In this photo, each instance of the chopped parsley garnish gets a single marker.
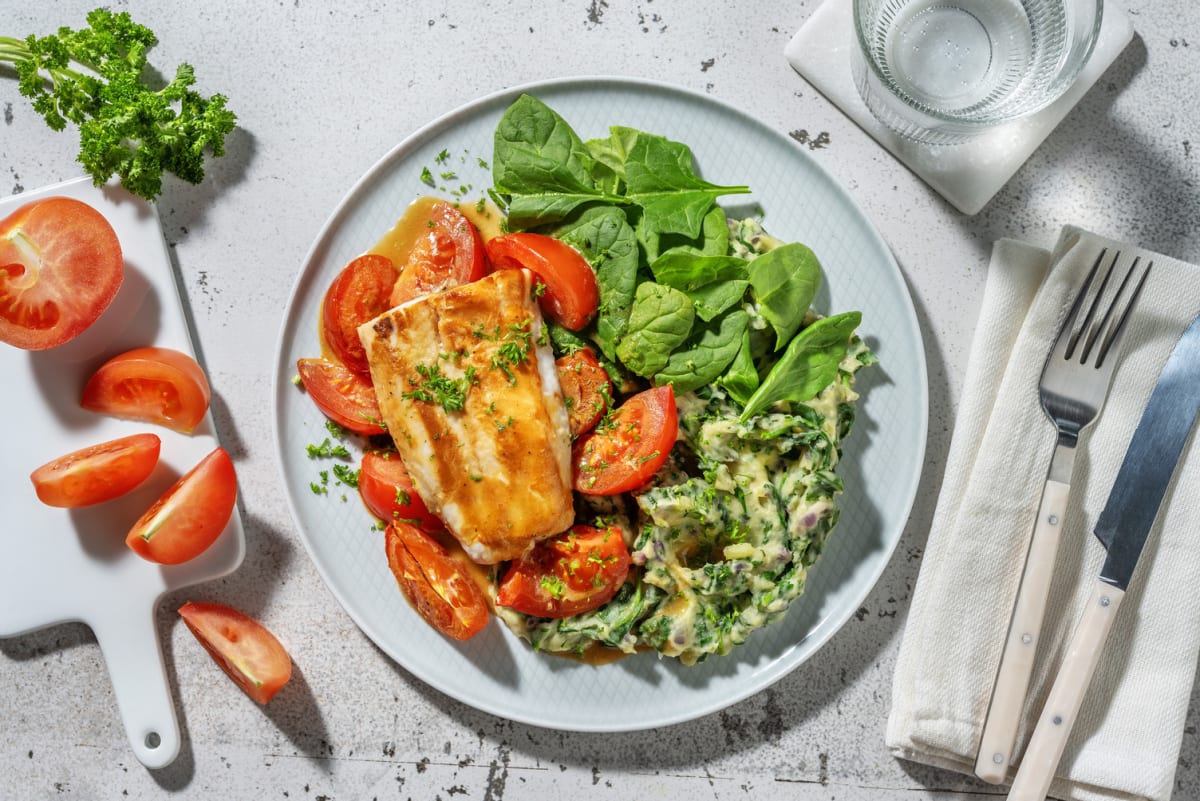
(346, 475)
(327, 450)
(434, 386)
(427, 177)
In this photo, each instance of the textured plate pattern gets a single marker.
(496, 672)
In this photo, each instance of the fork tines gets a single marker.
(1100, 332)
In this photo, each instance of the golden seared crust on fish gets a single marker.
(468, 388)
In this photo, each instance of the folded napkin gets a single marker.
(1126, 742)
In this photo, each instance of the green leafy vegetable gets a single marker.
(809, 364)
(785, 280)
(741, 379)
(660, 322)
(96, 78)
(706, 354)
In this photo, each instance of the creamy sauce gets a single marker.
(398, 243)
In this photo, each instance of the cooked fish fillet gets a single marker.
(470, 395)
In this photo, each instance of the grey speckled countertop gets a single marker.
(322, 91)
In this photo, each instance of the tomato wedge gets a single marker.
(566, 575)
(359, 293)
(586, 390)
(437, 586)
(154, 385)
(345, 397)
(572, 294)
(60, 268)
(629, 446)
(190, 515)
(243, 647)
(448, 254)
(98, 473)
(387, 490)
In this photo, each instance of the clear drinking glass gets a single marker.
(942, 71)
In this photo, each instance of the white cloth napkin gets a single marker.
(1127, 739)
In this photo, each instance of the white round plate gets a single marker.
(496, 672)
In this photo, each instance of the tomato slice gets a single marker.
(387, 490)
(438, 587)
(154, 385)
(190, 515)
(448, 254)
(243, 647)
(345, 397)
(358, 294)
(566, 575)
(586, 390)
(629, 446)
(572, 294)
(60, 268)
(98, 473)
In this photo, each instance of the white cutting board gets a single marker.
(65, 565)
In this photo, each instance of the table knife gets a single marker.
(1122, 529)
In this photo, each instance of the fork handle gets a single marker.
(1049, 740)
(1016, 663)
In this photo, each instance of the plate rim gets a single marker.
(467, 110)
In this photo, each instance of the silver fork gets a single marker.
(1072, 391)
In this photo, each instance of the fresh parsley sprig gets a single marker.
(95, 77)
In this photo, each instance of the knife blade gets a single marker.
(1123, 527)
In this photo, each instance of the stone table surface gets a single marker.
(322, 90)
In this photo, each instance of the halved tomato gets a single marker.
(98, 473)
(627, 447)
(437, 586)
(448, 254)
(345, 397)
(358, 294)
(243, 647)
(189, 517)
(60, 268)
(154, 385)
(387, 490)
(572, 294)
(586, 389)
(566, 575)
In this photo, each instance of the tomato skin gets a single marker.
(626, 451)
(60, 268)
(345, 397)
(449, 254)
(586, 390)
(153, 385)
(97, 473)
(387, 490)
(189, 516)
(245, 649)
(359, 293)
(575, 572)
(572, 295)
(439, 588)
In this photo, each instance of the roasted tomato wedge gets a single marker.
(586, 390)
(242, 646)
(98, 473)
(626, 449)
(449, 253)
(190, 515)
(438, 587)
(572, 573)
(345, 397)
(358, 294)
(155, 385)
(572, 295)
(387, 490)
(60, 268)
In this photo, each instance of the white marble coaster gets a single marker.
(969, 174)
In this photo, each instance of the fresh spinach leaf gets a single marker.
(609, 154)
(606, 240)
(713, 239)
(706, 354)
(809, 364)
(785, 280)
(714, 299)
(686, 271)
(659, 322)
(741, 379)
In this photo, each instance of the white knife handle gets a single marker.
(1016, 663)
(1066, 695)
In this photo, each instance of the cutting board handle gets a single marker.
(139, 679)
